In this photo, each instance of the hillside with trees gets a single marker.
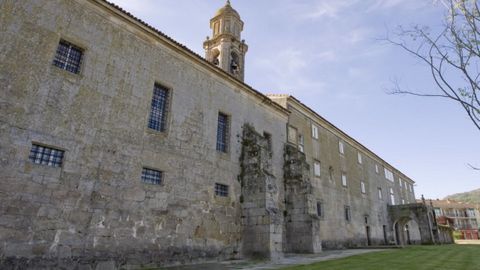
(470, 197)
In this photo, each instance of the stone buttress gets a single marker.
(261, 216)
(302, 222)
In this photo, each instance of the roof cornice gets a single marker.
(182, 49)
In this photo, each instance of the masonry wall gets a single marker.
(94, 209)
(366, 209)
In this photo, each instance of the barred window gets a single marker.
(158, 111)
(222, 133)
(153, 177)
(221, 190)
(348, 216)
(46, 156)
(68, 57)
(320, 209)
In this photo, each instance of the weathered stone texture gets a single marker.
(95, 206)
(262, 218)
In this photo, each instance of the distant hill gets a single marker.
(470, 197)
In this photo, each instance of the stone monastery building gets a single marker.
(121, 147)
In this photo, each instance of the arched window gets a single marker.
(215, 56)
(234, 64)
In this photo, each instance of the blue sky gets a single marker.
(329, 54)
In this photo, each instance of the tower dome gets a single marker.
(227, 10)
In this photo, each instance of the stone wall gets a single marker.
(262, 218)
(301, 219)
(95, 208)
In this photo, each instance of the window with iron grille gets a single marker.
(222, 133)
(46, 155)
(68, 57)
(320, 209)
(221, 190)
(348, 216)
(153, 177)
(158, 111)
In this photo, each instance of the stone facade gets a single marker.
(95, 212)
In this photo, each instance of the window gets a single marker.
(158, 111)
(389, 175)
(221, 190)
(344, 179)
(340, 147)
(376, 168)
(68, 57)
(380, 194)
(292, 135)
(268, 137)
(359, 157)
(362, 187)
(46, 156)
(222, 133)
(403, 201)
(330, 173)
(314, 131)
(438, 212)
(316, 168)
(400, 182)
(392, 197)
(320, 209)
(301, 142)
(405, 185)
(348, 216)
(153, 177)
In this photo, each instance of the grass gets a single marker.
(447, 257)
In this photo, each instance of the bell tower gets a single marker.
(226, 49)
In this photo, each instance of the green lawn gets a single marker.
(448, 257)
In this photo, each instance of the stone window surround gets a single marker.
(320, 209)
(315, 130)
(64, 64)
(347, 213)
(223, 149)
(152, 181)
(165, 115)
(56, 164)
(315, 163)
(344, 179)
(221, 190)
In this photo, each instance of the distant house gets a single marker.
(462, 217)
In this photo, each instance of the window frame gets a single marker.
(159, 125)
(344, 179)
(347, 213)
(315, 163)
(64, 64)
(221, 190)
(226, 137)
(292, 134)
(320, 210)
(55, 164)
(314, 131)
(161, 179)
(341, 147)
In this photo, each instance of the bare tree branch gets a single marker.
(452, 54)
